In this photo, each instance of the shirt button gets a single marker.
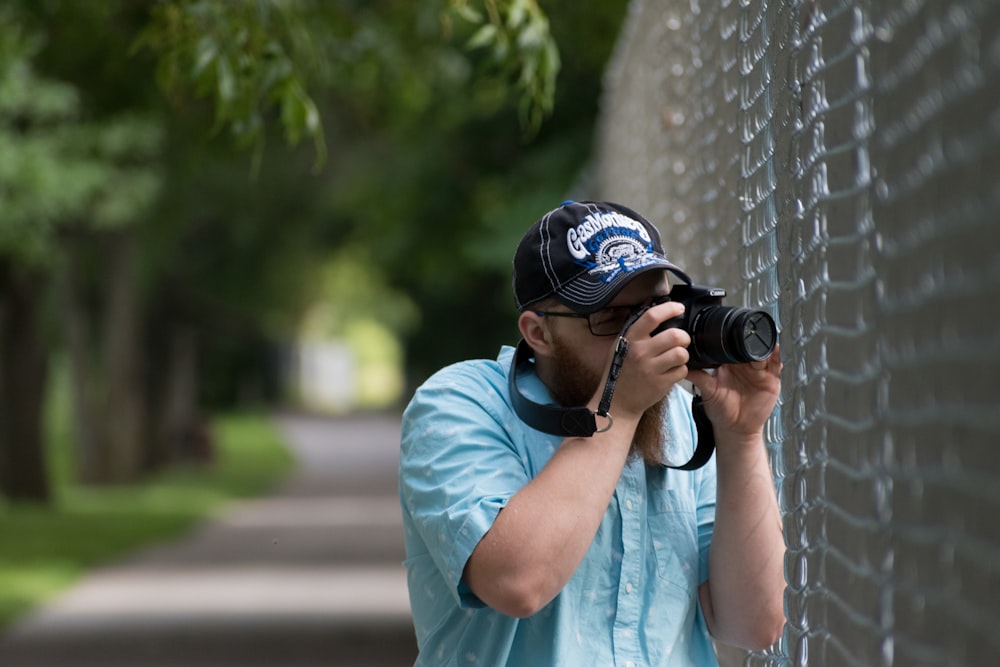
(628, 588)
(628, 504)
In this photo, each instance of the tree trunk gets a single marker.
(125, 409)
(24, 359)
(91, 462)
(182, 429)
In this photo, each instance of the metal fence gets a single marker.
(838, 163)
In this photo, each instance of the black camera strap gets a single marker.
(577, 422)
(706, 437)
(580, 421)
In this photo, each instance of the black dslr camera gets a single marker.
(720, 334)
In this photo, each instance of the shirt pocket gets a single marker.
(673, 534)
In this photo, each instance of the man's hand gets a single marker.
(739, 398)
(742, 600)
(653, 365)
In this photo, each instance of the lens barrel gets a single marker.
(725, 335)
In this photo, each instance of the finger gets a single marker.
(775, 358)
(773, 361)
(705, 382)
(671, 337)
(656, 316)
(673, 357)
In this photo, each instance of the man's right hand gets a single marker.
(653, 365)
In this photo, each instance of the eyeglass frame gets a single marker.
(627, 310)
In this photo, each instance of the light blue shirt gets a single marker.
(632, 602)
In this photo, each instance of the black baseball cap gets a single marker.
(583, 253)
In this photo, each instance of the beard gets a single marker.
(649, 438)
(574, 383)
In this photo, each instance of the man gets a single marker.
(526, 548)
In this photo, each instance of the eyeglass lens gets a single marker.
(609, 321)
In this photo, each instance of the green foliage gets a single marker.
(425, 107)
(247, 58)
(354, 306)
(516, 35)
(37, 186)
(55, 169)
(379, 363)
(442, 197)
(234, 256)
(253, 59)
(351, 288)
(27, 101)
(44, 550)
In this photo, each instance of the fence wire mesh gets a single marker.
(837, 162)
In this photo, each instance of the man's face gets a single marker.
(579, 357)
(579, 360)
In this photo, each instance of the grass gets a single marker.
(44, 550)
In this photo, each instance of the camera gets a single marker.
(720, 334)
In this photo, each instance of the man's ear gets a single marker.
(534, 332)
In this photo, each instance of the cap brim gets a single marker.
(587, 294)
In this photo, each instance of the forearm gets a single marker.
(746, 558)
(539, 539)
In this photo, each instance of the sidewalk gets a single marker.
(308, 577)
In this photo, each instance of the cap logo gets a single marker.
(609, 243)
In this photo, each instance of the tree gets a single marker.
(396, 90)
(441, 192)
(249, 57)
(409, 115)
(55, 173)
(419, 151)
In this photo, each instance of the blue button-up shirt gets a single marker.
(632, 602)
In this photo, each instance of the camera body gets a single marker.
(720, 334)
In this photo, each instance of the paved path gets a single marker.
(308, 577)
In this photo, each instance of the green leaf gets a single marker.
(226, 82)
(204, 54)
(484, 36)
(532, 37)
(518, 13)
(466, 12)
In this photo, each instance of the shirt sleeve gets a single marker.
(458, 468)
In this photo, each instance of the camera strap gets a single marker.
(580, 421)
(577, 422)
(706, 437)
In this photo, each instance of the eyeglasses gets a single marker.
(607, 321)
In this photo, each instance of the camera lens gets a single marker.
(723, 335)
(757, 333)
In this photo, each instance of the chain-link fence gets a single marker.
(838, 163)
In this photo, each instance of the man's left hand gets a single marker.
(739, 398)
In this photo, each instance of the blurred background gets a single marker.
(214, 205)
(234, 236)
